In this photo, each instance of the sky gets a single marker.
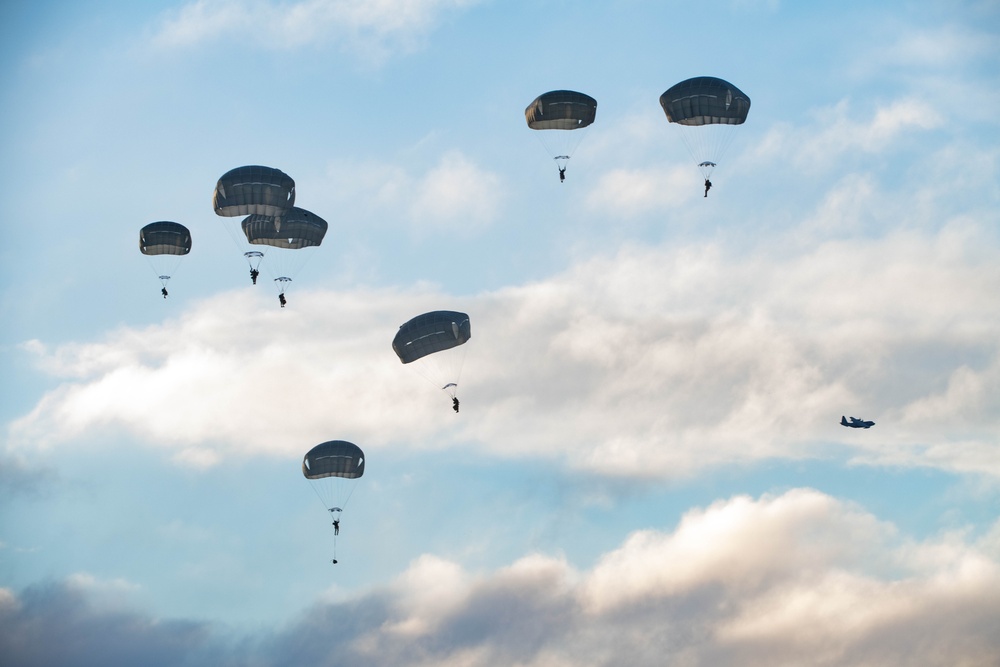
(648, 467)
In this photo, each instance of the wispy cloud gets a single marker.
(942, 47)
(457, 195)
(626, 193)
(839, 130)
(19, 478)
(454, 195)
(373, 29)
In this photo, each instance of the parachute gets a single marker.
(429, 339)
(296, 229)
(705, 110)
(561, 110)
(164, 243)
(252, 190)
(286, 241)
(331, 467)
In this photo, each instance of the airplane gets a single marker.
(856, 423)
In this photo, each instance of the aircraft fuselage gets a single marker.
(855, 423)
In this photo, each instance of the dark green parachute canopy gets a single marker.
(253, 190)
(561, 110)
(164, 238)
(705, 100)
(431, 332)
(296, 228)
(336, 458)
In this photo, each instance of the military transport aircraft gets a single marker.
(855, 423)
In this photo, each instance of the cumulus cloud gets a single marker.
(798, 578)
(745, 544)
(648, 361)
(59, 624)
(185, 386)
(374, 28)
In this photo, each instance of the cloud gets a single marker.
(942, 47)
(58, 624)
(745, 544)
(624, 191)
(797, 578)
(18, 478)
(454, 196)
(628, 193)
(644, 361)
(374, 29)
(838, 131)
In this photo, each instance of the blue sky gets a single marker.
(648, 463)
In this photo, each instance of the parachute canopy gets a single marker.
(296, 228)
(431, 332)
(705, 100)
(705, 110)
(335, 458)
(164, 238)
(253, 190)
(561, 110)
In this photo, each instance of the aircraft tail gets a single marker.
(843, 421)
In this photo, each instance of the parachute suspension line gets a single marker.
(428, 371)
(318, 495)
(333, 501)
(348, 498)
(278, 269)
(706, 144)
(254, 258)
(697, 150)
(559, 144)
(163, 268)
(726, 139)
(234, 230)
(281, 283)
(458, 373)
(443, 370)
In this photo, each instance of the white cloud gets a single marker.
(942, 47)
(743, 543)
(430, 591)
(793, 579)
(837, 131)
(645, 361)
(784, 580)
(110, 595)
(626, 193)
(375, 29)
(454, 196)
